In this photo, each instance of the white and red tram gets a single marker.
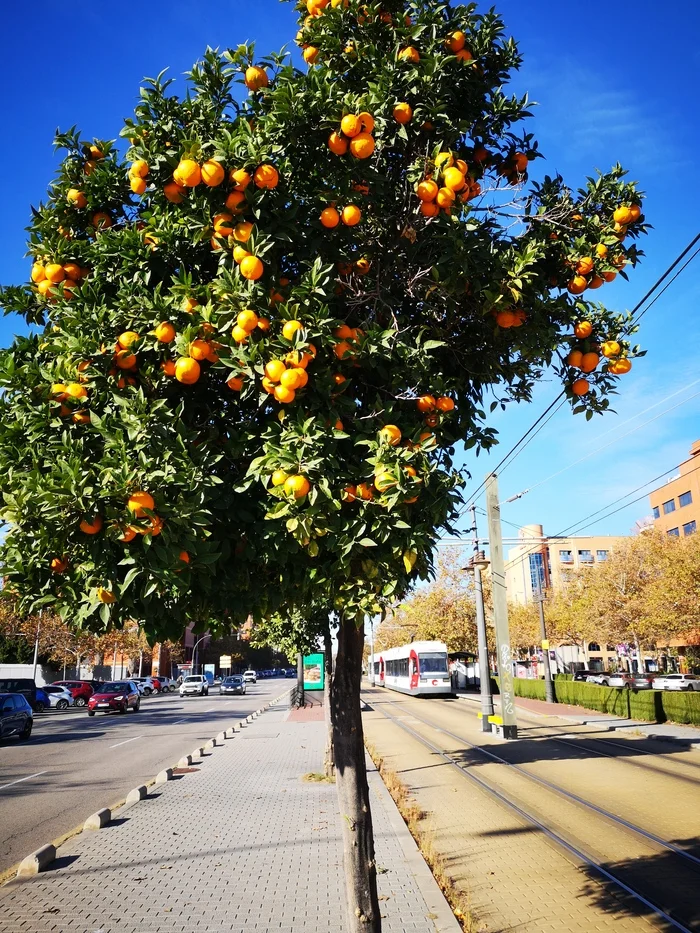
(419, 669)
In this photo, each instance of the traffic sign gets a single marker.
(225, 660)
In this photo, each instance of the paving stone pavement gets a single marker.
(242, 844)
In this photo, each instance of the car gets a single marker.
(589, 676)
(156, 683)
(677, 682)
(631, 681)
(143, 685)
(194, 685)
(167, 684)
(291, 672)
(234, 683)
(24, 685)
(120, 695)
(250, 677)
(58, 697)
(81, 690)
(16, 716)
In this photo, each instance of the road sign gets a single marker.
(545, 644)
(225, 661)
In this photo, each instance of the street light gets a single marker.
(478, 562)
(194, 652)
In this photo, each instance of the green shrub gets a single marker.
(563, 676)
(681, 707)
(532, 689)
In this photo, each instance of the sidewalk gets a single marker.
(688, 736)
(238, 844)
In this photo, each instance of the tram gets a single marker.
(419, 669)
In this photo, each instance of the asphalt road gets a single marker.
(74, 764)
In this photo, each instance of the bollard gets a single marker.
(98, 820)
(164, 776)
(138, 793)
(36, 862)
(185, 762)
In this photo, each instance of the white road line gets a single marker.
(177, 723)
(126, 740)
(19, 780)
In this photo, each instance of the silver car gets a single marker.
(59, 697)
(632, 681)
(677, 682)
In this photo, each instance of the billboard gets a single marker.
(314, 672)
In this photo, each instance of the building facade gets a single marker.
(676, 504)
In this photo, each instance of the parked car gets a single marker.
(234, 683)
(677, 682)
(589, 676)
(58, 697)
(631, 681)
(81, 690)
(16, 716)
(24, 685)
(291, 672)
(143, 685)
(167, 684)
(41, 702)
(250, 677)
(194, 685)
(120, 695)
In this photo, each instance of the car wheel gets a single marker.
(147, 692)
(123, 708)
(27, 731)
(39, 707)
(80, 701)
(91, 712)
(62, 704)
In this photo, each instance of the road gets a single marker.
(73, 765)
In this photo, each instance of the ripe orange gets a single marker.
(239, 178)
(126, 359)
(96, 152)
(310, 54)
(128, 534)
(266, 176)
(444, 403)
(445, 197)
(589, 361)
(610, 348)
(390, 434)
(174, 192)
(351, 215)
(198, 349)
(184, 558)
(38, 273)
(444, 160)
(255, 78)
(636, 212)
(127, 338)
(76, 198)
(101, 220)
(105, 596)
(363, 265)
(584, 266)
(274, 370)
(58, 391)
(455, 41)
(290, 328)
(583, 329)
(367, 122)
(236, 202)
(297, 486)
(168, 367)
(290, 379)
(601, 250)
(54, 273)
(59, 564)
(343, 349)
(139, 169)
(362, 146)
(577, 285)
(596, 281)
(384, 481)
(580, 387)
(284, 395)
(243, 231)
(264, 324)
(337, 144)
(426, 403)
(188, 173)
(624, 215)
(222, 224)
(351, 125)
(330, 217)
(364, 491)
(279, 477)
(429, 209)
(409, 54)
(403, 113)
(427, 190)
(240, 253)
(344, 332)
(349, 494)
(238, 334)
(620, 367)
(453, 179)
(212, 173)
(187, 370)
(574, 358)
(91, 526)
(247, 320)
(302, 376)
(464, 55)
(76, 390)
(154, 527)
(609, 276)
(139, 501)
(339, 379)
(251, 268)
(432, 420)
(73, 271)
(138, 185)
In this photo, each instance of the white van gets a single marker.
(250, 677)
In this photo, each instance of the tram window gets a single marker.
(433, 662)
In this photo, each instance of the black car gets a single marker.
(16, 717)
(234, 683)
(24, 685)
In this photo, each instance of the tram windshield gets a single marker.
(433, 663)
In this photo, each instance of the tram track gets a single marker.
(670, 892)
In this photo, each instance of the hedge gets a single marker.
(647, 705)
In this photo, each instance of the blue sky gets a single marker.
(612, 84)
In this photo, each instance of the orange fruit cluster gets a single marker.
(52, 278)
(586, 356)
(355, 135)
(296, 484)
(456, 43)
(137, 176)
(284, 377)
(347, 337)
(509, 317)
(450, 180)
(513, 167)
(350, 215)
(585, 272)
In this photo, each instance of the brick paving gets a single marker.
(249, 847)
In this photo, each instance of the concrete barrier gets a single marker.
(164, 776)
(36, 862)
(210, 744)
(230, 732)
(197, 753)
(221, 738)
(138, 793)
(185, 762)
(98, 820)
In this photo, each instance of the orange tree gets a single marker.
(261, 330)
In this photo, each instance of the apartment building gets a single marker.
(676, 505)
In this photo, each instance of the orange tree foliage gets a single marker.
(204, 336)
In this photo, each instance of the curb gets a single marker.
(37, 861)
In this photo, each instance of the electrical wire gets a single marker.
(664, 275)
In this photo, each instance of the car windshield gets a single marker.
(433, 662)
(53, 689)
(193, 680)
(114, 688)
(232, 680)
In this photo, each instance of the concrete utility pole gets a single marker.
(371, 652)
(509, 728)
(476, 564)
(548, 683)
(300, 680)
(36, 646)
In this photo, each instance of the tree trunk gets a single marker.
(351, 782)
(329, 755)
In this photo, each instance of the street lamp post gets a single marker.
(548, 685)
(194, 652)
(371, 652)
(477, 563)
(36, 645)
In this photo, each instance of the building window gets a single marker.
(673, 532)
(601, 555)
(566, 557)
(593, 646)
(669, 506)
(689, 528)
(685, 498)
(585, 557)
(657, 513)
(537, 572)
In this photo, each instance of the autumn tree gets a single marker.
(262, 325)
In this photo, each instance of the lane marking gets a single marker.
(179, 721)
(126, 740)
(19, 780)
